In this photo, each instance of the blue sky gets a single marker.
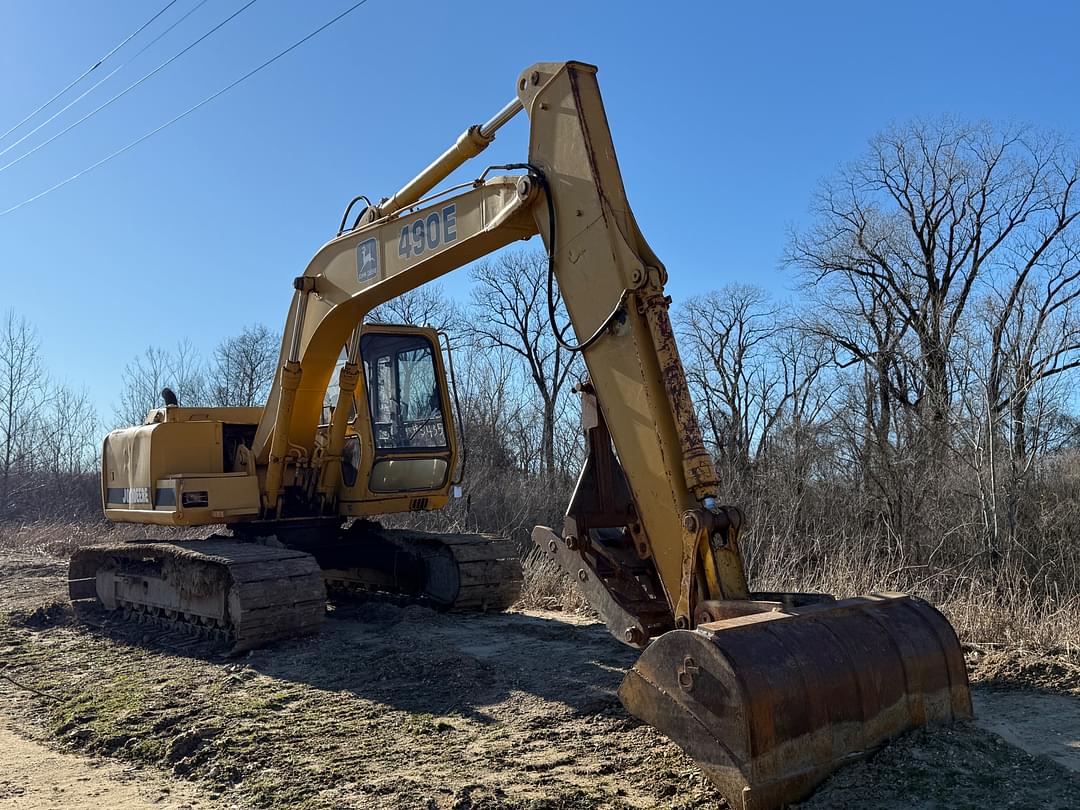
(724, 116)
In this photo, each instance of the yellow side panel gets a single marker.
(186, 447)
(193, 500)
(134, 458)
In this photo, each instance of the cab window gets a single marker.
(403, 391)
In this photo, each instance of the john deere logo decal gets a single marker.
(367, 260)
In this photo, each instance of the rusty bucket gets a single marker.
(769, 704)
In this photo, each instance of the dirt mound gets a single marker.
(389, 707)
(949, 768)
(51, 614)
(1051, 672)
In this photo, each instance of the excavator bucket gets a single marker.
(770, 703)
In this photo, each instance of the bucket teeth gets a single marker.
(770, 703)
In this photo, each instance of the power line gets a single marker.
(188, 111)
(129, 88)
(102, 80)
(90, 69)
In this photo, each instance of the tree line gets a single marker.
(911, 402)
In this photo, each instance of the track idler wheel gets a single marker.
(769, 704)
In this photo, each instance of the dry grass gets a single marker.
(547, 587)
(1003, 611)
(58, 539)
(1006, 612)
(1014, 619)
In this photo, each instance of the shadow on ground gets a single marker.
(410, 658)
(418, 660)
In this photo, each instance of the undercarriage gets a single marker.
(273, 583)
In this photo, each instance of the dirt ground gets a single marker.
(33, 776)
(404, 707)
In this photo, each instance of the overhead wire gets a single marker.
(130, 87)
(92, 68)
(102, 80)
(188, 111)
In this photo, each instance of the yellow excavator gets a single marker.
(767, 692)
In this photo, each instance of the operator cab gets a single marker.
(401, 438)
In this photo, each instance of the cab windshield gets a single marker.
(403, 392)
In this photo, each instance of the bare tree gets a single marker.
(187, 374)
(423, 306)
(930, 211)
(934, 219)
(509, 312)
(70, 433)
(22, 388)
(486, 390)
(243, 367)
(156, 368)
(726, 336)
(1034, 329)
(755, 374)
(802, 359)
(1026, 336)
(142, 381)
